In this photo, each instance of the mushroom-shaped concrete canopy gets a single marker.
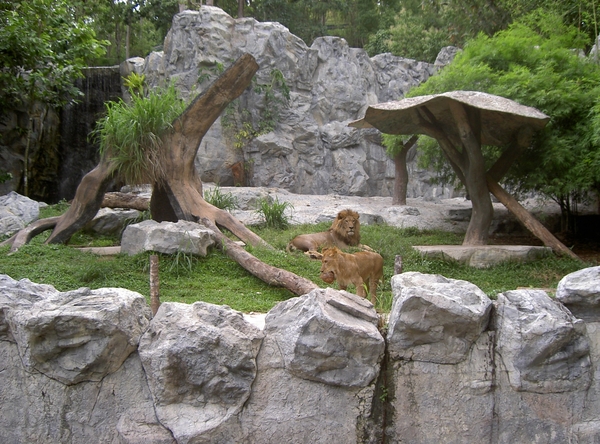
(500, 118)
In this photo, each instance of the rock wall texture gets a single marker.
(310, 149)
(450, 366)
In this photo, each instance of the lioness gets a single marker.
(364, 267)
(344, 233)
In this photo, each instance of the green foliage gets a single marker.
(130, 133)
(244, 124)
(273, 212)
(135, 83)
(421, 29)
(535, 62)
(224, 201)
(219, 280)
(5, 176)
(43, 47)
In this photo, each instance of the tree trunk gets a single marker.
(530, 222)
(125, 200)
(468, 123)
(85, 205)
(401, 173)
(267, 273)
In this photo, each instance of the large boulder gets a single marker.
(435, 319)
(544, 348)
(200, 361)
(311, 149)
(16, 212)
(81, 335)
(580, 293)
(167, 237)
(328, 336)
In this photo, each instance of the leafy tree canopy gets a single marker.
(537, 62)
(43, 47)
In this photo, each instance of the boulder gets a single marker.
(80, 335)
(328, 336)
(544, 348)
(435, 319)
(16, 212)
(200, 361)
(580, 293)
(112, 220)
(167, 237)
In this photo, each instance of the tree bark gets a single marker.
(267, 273)
(85, 205)
(468, 124)
(125, 200)
(401, 172)
(530, 222)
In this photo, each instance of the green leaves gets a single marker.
(536, 62)
(130, 133)
(43, 46)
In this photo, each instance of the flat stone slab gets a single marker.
(483, 256)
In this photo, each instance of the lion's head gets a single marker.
(346, 227)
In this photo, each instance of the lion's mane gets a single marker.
(343, 233)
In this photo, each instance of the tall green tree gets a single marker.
(536, 63)
(43, 48)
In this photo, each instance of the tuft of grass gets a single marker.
(219, 280)
(130, 133)
(224, 201)
(273, 212)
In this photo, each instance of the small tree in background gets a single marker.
(536, 62)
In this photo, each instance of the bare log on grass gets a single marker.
(125, 200)
(265, 272)
(29, 232)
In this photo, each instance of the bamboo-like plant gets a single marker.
(130, 133)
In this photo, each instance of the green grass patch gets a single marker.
(219, 280)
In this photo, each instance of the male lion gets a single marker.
(344, 233)
(362, 268)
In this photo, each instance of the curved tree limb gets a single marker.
(530, 222)
(267, 273)
(29, 232)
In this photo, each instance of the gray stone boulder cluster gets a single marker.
(311, 149)
(16, 212)
(450, 365)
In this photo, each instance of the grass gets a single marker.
(219, 280)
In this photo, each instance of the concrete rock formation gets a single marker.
(453, 366)
(167, 237)
(310, 150)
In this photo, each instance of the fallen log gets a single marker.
(265, 272)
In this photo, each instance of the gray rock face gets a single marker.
(316, 372)
(435, 319)
(544, 348)
(16, 212)
(200, 361)
(167, 237)
(311, 150)
(580, 293)
(328, 336)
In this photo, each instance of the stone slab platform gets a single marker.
(483, 256)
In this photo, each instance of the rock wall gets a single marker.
(449, 366)
(311, 150)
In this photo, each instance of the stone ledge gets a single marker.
(482, 256)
